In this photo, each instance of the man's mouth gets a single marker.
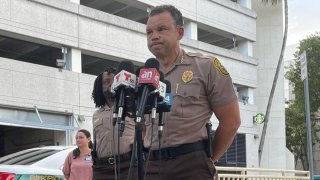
(155, 44)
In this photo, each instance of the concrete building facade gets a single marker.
(41, 103)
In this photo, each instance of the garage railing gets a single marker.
(237, 173)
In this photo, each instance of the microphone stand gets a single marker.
(138, 130)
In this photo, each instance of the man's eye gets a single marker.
(162, 29)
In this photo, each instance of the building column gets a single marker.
(73, 60)
(75, 1)
(251, 96)
(191, 30)
(245, 3)
(245, 48)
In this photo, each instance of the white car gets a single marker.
(35, 163)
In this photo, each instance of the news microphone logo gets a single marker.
(149, 76)
(124, 78)
(168, 99)
(162, 89)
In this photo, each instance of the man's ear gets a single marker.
(180, 31)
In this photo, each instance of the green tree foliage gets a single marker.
(295, 114)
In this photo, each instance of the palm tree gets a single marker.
(275, 79)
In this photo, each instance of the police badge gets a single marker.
(187, 76)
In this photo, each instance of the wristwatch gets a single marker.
(214, 161)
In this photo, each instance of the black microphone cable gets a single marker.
(149, 152)
(153, 117)
(160, 138)
(150, 63)
(114, 153)
(121, 112)
(161, 124)
(133, 157)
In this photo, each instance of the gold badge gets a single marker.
(219, 67)
(187, 76)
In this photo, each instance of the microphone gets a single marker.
(162, 88)
(123, 86)
(154, 98)
(148, 81)
(164, 106)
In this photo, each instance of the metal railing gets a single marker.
(237, 173)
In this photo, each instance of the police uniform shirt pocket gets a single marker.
(189, 90)
(186, 100)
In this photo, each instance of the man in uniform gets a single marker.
(200, 86)
(106, 135)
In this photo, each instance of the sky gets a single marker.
(304, 19)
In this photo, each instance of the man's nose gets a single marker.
(155, 36)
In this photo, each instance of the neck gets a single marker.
(168, 61)
(84, 149)
(109, 102)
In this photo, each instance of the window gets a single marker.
(235, 156)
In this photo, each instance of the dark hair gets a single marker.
(76, 152)
(97, 92)
(175, 13)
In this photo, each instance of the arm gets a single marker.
(229, 121)
(67, 167)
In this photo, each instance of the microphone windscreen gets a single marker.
(126, 65)
(168, 84)
(152, 63)
(161, 76)
(138, 70)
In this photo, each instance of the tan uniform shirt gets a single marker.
(106, 136)
(198, 84)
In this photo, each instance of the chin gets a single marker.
(158, 54)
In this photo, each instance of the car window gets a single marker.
(27, 157)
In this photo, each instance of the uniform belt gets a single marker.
(173, 152)
(111, 160)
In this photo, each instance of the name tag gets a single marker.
(87, 158)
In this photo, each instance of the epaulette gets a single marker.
(200, 55)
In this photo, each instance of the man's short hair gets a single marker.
(175, 13)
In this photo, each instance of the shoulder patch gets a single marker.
(216, 63)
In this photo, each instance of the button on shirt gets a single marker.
(104, 133)
(197, 87)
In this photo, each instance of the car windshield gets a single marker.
(27, 157)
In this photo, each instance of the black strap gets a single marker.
(173, 152)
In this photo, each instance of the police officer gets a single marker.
(200, 86)
(106, 135)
